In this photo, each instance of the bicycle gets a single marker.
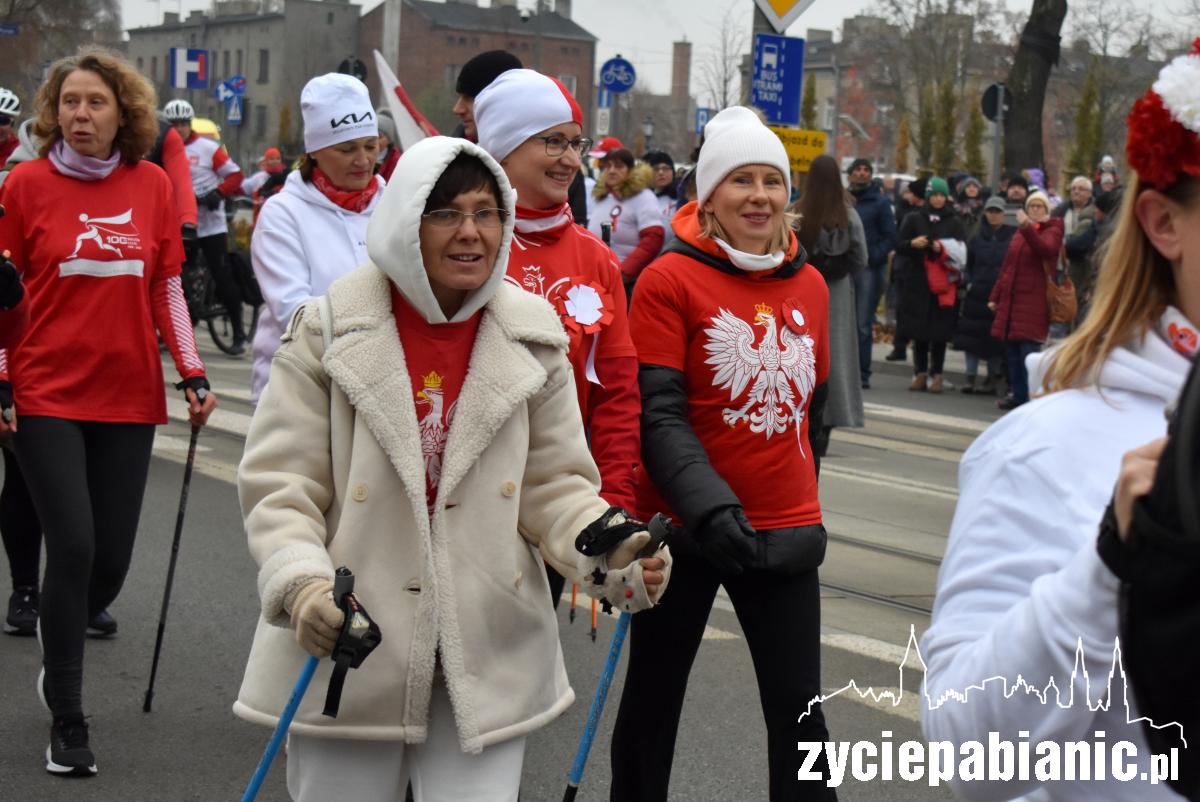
(200, 288)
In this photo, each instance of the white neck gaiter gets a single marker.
(751, 262)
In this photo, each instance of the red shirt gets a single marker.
(753, 349)
(437, 357)
(577, 273)
(91, 254)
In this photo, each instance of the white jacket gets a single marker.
(1022, 583)
(334, 474)
(302, 242)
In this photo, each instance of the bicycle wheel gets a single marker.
(221, 327)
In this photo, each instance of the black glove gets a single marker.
(197, 384)
(210, 200)
(604, 533)
(727, 540)
(11, 289)
(188, 233)
(6, 401)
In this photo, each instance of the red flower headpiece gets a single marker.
(1164, 125)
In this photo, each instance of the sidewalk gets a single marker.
(955, 369)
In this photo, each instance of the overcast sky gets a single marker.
(640, 30)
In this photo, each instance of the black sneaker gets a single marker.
(102, 625)
(897, 356)
(22, 612)
(68, 754)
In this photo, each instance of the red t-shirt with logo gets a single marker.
(437, 357)
(753, 350)
(90, 254)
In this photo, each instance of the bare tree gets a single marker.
(721, 65)
(51, 29)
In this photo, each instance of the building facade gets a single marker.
(276, 52)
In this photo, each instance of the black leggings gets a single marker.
(19, 526)
(214, 247)
(923, 350)
(780, 617)
(86, 480)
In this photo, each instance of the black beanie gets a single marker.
(860, 162)
(918, 187)
(481, 70)
(656, 157)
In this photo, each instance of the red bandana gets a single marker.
(352, 201)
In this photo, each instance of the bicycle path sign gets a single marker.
(617, 75)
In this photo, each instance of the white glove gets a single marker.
(617, 576)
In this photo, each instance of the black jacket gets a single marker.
(879, 223)
(919, 317)
(985, 257)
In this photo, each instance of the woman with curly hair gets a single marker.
(93, 228)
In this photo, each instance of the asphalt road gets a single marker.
(888, 491)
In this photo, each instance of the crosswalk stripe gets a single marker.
(919, 416)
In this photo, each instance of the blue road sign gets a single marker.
(778, 76)
(604, 99)
(189, 68)
(227, 89)
(233, 110)
(10, 29)
(617, 75)
(702, 118)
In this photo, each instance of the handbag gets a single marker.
(1060, 294)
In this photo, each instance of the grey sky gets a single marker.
(640, 30)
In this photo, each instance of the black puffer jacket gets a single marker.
(985, 257)
(919, 316)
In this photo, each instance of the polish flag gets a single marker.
(411, 125)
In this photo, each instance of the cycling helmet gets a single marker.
(178, 110)
(10, 104)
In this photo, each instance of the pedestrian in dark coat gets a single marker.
(912, 198)
(1019, 297)
(986, 250)
(922, 317)
(879, 227)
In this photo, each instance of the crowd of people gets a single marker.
(619, 343)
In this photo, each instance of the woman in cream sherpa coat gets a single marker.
(334, 474)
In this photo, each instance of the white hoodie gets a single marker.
(1022, 583)
(302, 242)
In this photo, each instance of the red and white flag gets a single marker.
(411, 125)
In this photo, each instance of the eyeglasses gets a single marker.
(453, 218)
(557, 144)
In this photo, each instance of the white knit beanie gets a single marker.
(519, 104)
(336, 108)
(734, 138)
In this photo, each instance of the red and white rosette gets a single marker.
(585, 307)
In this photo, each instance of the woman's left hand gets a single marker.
(198, 411)
(1138, 468)
(652, 574)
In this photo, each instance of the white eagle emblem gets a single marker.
(783, 378)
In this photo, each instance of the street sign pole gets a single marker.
(997, 137)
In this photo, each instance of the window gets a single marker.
(462, 40)
(569, 82)
(450, 40)
(154, 68)
(452, 71)
(140, 64)
(827, 117)
(225, 62)
(329, 18)
(264, 66)
(239, 62)
(260, 121)
(191, 38)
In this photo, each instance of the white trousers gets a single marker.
(324, 769)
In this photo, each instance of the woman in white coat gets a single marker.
(420, 427)
(315, 229)
(1023, 587)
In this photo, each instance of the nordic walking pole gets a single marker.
(285, 721)
(162, 615)
(659, 529)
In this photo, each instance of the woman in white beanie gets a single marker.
(532, 125)
(420, 428)
(731, 329)
(315, 229)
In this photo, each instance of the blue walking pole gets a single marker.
(589, 732)
(285, 721)
(659, 529)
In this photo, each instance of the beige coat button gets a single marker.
(508, 489)
(359, 493)
(519, 579)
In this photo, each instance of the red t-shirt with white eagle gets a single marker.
(437, 357)
(96, 259)
(753, 349)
